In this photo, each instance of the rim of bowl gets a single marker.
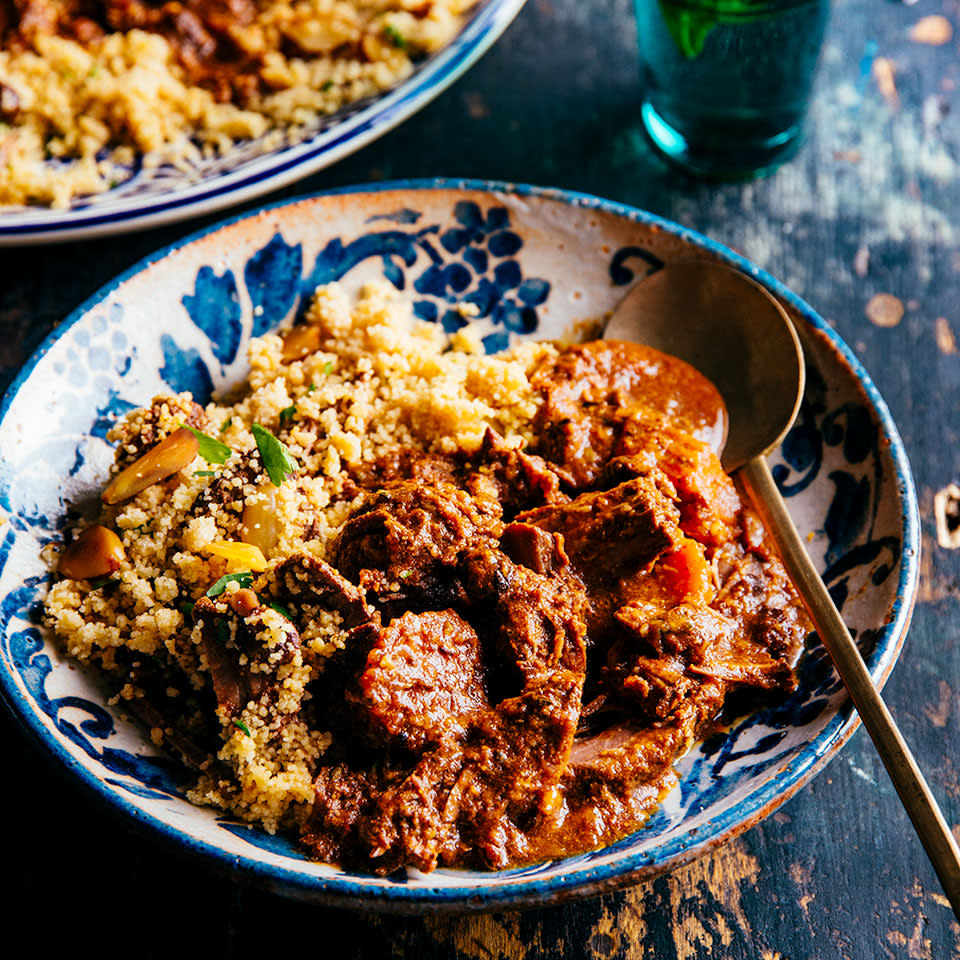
(582, 880)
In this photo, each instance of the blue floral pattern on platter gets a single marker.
(530, 263)
(167, 192)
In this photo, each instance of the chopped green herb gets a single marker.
(283, 611)
(311, 388)
(243, 728)
(276, 458)
(204, 473)
(226, 424)
(100, 582)
(113, 183)
(223, 631)
(405, 574)
(213, 451)
(186, 608)
(328, 367)
(395, 36)
(245, 580)
(286, 414)
(327, 86)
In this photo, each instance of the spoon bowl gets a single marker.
(735, 334)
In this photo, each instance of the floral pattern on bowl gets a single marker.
(532, 263)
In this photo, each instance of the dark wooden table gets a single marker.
(870, 207)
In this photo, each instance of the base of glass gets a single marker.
(733, 157)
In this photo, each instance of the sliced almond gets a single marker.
(239, 556)
(260, 526)
(97, 552)
(171, 454)
(300, 341)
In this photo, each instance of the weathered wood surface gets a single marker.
(871, 206)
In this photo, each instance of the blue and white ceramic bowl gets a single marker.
(536, 263)
(168, 193)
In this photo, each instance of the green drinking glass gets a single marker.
(727, 82)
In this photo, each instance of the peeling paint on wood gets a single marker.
(946, 509)
(946, 341)
(884, 74)
(884, 310)
(934, 30)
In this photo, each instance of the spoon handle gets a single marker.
(914, 793)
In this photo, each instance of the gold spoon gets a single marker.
(738, 335)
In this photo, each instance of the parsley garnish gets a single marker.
(213, 451)
(100, 582)
(395, 36)
(186, 608)
(204, 473)
(311, 388)
(226, 424)
(286, 414)
(243, 728)
(223, 631)
(327, 86)
(328, 367)
(276, 458)
(245, 580)
(283, 611)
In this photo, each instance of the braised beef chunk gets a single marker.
(497, 471)
(406, 543)
(612, 533)
(244, 644)
(517, 479)
(185, 722)
(757, 593)
(515, 760)
(611, 537)
(654, 661)
(309, 585)
(537, 622)
(540, 551)
(343, 799)
(423, 680)
(406, 464)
